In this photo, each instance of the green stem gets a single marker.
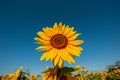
(55, 74)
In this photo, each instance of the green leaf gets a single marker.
(65, 70)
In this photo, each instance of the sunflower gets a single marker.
(50, 76)
(33, 77)
(13, 76)
(77, 68)
(59, 44)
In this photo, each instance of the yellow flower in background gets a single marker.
(47, 67)
(83, 78)
(118, 70)
(33, 77)
(103, 75)
(115, 71)
(13, 76)
(59, 44)
(4, 77)
(89, 73)
(83, 68)
(48, 76)
(77, 67)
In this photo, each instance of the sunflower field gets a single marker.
(66, 73)
(59, 44)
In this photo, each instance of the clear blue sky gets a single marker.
(97, 20)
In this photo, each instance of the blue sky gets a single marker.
(20, 20)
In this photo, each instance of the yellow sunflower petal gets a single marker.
(73, 37)
(63, 55)
(46, 55)
(49, 54)
(44, 47)
(75, 47)
(61, 28)
(60, 63)
(43, 56)
(54, 54)
(43, 35)
(76, 42)
(66, 31)
(48, 31)
(60, 24)
(71, 33)
(73, 52)
(71, 30)
(55, 28)
(66, 56)
(71, 58)
(41, 41)
(56, 60)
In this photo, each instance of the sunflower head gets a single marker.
(59, 41)
(59, 44)
(33, 77)
(77, 68)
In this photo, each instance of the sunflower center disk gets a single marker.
(59, 41)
